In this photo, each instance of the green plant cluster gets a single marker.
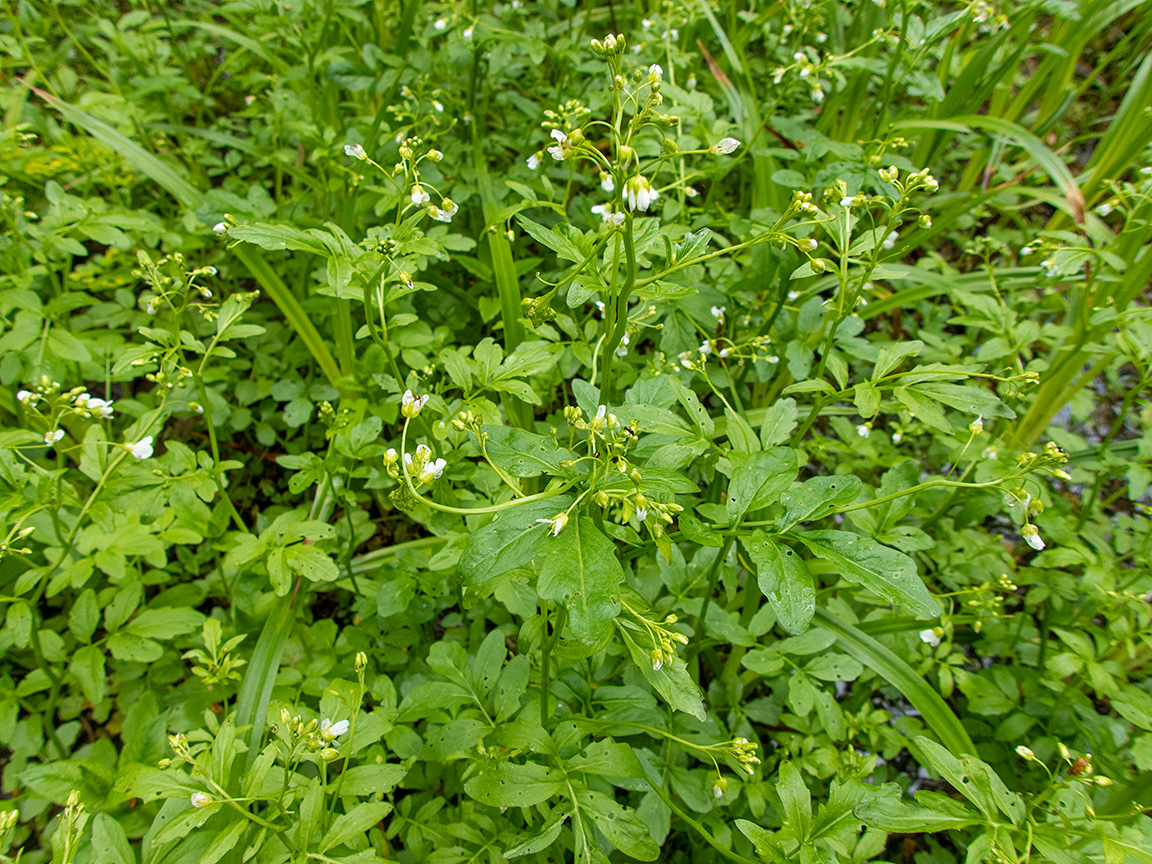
(551, 431)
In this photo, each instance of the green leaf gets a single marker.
(620, 825)
(892, 355)
(936, 813)
(923, 407)
(88, 668)
(934, 710)
(795, 799)
(765, 842)
(544, 838)
(607, 758)
(506, 784)
(84, 616)
(224, 842)
(973, 779)
(580, 569)
(553, 239)
(184, 821)
(758, 478)
(525, 454)
(883, 571)
(513, 684)
(312, 563)
(671, 680)
(867, 399)
(126, 646)
(355, 822)
(741, 436)
(779, 422)
(697, 531)
(966, 398)
(509, 540)
(365, 780)
(785, 580)
(109, 842)
(816, 498)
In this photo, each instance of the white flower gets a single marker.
(1027, 250)
(142, 449)
(989, 453)
(977, 425)
(655, 73)
(929, 637)
(848, 201)
(897, 437)
(52, 437)
(719, 786)
(817, 94)
(646, 23)
(557, 522)
(863, 431)
(639, 193)
(641, 513)
(99, 407)
(434, 155)
(220, 228)
(445, 212)
(1031, 535)
(356, 151)
(622, 348)
(432, 471)
(562, 148)
(931, 184)
(419, 196)
(534, 160)
(201, 799)
(24, 396)
(438, 106)
(718, 313)
(330, 731)
(690, 191)
(606, 182)
(890, 240)
(705, 347)
(724, 146)
(467, 34)
(440, 23)
(657, 660)
(616, 218)
(411, 405)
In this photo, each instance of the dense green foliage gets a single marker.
(447, 432)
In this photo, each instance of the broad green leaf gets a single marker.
(671, 680)
(507, 784)
(966, 398)
(513, 684)
(312, 563)
(542, 839)
(741, 436)
(580, 570)
(525, 454)
(553, 238)
(758, 478)
(608, 758)
(933, 812)
(816, 498)
(765, 842)
(88, 667)
(796, 800)
(355, 822)
(186, 821)
(975, 780)
(509, 540)
(785, 580)
(892, 355)
(225, 841)
(883, 571)
(867, 399)
(923, 407)
(620, 825)
(109, 842)
(779, 422)
(84, 615)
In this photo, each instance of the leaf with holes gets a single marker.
(785, 580)
(817, 498)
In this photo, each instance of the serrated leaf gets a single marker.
(883, 571)
(785, 581)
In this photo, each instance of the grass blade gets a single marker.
(935, 711)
